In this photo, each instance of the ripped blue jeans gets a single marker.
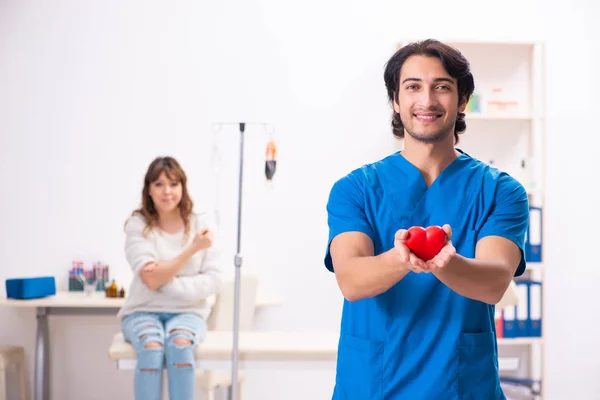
(164, 340)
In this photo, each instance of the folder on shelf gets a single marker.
(535, 303)
(505, 319)
(525, 318)
(509, 328)
(522, 310)
(533, 236)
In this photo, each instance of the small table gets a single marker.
(73, 303)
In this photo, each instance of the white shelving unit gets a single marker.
(505, 125)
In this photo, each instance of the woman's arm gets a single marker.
(141, 254)
(157, 274)
(195, 288)
(139, 250)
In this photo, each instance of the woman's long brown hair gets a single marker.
(174, 172)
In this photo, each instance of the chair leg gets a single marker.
(210, 394)
(22, 380)
(3, 387)
(240, 390)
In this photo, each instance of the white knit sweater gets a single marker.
(199, 279)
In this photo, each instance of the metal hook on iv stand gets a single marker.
(233, 394)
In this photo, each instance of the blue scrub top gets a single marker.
(420, 340)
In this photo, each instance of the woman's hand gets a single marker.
(203, 240)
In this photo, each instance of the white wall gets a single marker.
(92, 91)
(571, 283)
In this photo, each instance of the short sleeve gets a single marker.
(509, 216)
(346, 211)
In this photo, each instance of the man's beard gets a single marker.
(429, 137)
(421, 135)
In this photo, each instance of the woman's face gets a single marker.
(166, 194)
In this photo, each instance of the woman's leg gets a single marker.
(184, 331)
(146, 333)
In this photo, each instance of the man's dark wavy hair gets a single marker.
(453, 61)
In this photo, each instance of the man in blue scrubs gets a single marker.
(416, 330)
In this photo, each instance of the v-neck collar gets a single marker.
(408, 191)
(416, 175)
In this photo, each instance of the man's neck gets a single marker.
(429, 158)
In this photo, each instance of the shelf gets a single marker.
(520, 341)
(506, 125)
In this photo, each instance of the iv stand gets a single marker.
(238, 266)
(233, 393)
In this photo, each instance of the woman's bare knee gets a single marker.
(181, 341)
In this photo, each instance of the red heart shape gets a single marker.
(425, 243)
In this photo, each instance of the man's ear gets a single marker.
(396, 105)
(462, 104)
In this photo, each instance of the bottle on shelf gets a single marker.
(112, 289)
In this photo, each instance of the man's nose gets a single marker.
(428, 99)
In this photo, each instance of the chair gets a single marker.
(12, 356)
(221, 319)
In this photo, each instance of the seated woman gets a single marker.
(175, 266)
